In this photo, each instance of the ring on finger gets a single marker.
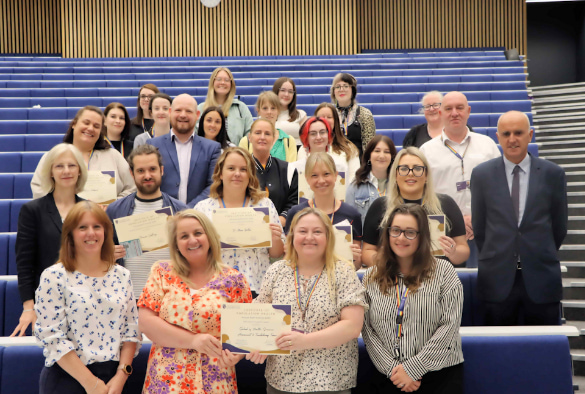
(289, 343)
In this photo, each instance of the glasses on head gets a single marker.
(341, 87)
(417, 171)
(291, 92)
(408, 233)
(145, 97)
(224, 80)
(321, 133)
(433, 106)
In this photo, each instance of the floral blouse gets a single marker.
(316, 369)
(253, 263)
(92, 316)
(177, 370)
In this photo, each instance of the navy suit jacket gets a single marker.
(500, 240)
(204, 155)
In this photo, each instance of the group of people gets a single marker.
(89, 312)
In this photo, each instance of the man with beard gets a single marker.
(189, 160)
(147, 170)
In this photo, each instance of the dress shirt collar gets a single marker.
(524, 164)
(444, 137)
(175, 139)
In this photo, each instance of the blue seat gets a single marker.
(12, 127)
(5, 215)
(12, 254)
(30, 160)
(6, 186)
(41, 143)
(12, 308)
(21, 368)
(15, 206)
(22, 185)
(4, 245)
(12, 143)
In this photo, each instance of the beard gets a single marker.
(148, 189)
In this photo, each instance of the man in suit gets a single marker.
(188, 159)
(519, 211)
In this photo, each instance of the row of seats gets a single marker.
(9, 211)
(15, 185)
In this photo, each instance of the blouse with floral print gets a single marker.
(253, 263)
(314, 369)
(92, 316)
(186, 371)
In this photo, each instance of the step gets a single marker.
(545, 152)
(579, 384)
(574, 237)
(574, 288)
(559, 136)
(576, 209)
(563, 158)
(571, 252)
(551, 130)
(564, 116)
(549, 145)
(577, 342)
(573, 309)
(574, 269)
(575, 186)
(576, 223)
(578, 356)
(576, 197)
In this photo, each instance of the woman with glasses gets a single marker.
(410, 182)
(221, 93)
(411, 329)
(290, 118)
(143, 122)
(419, 134)
(160, 108)
(357, 122)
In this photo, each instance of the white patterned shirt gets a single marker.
(91, 316)
(253, 263)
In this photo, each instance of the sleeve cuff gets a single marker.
(414, 368)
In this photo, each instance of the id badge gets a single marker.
(462, 185)
(397, 352)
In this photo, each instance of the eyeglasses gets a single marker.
(408, 233)
(321, 133)
(145, 97)
(341, 87)
(291, 92)
(224, 80)
(433, 106)
(417, 171)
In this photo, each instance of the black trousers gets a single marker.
(54, 380)
(444, 381)
(518, 309)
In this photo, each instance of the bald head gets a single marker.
(514, 135)
(184, 115)
(455, 112)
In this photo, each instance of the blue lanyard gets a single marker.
(243, 205)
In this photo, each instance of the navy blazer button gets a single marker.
(177, 185)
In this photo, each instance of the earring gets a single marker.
(369, 164)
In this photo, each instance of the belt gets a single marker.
(518, 265)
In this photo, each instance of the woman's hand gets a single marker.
(228, 359)
(357, 255)
(292, 341)
(27, 317)
(208, 344)
(98, 387)
(448, 245)
(119, 252)
(409, 388)
(276, 231)
(116, 384)
(400, 378)
(256, 357)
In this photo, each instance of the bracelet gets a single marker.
(96, 383)
(28, 310)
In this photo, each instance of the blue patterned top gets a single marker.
(92, 316)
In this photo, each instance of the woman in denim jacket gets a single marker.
(371, 178)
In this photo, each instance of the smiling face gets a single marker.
(184, 114)
(286, 93)
(432, 115)
(222, 84)
(234, 174)
(161, 111)
(267, 110)
(211, 125)
(147, 175)
(115, 122)
(342, 92)
(65, 171)
(88, 236)
(261, 137)
(514, 135)
(381, 157)
(410, 186)
(401, 246)
(86, 130)
(192, 240)
(321, 180)
(318, 137)
(145, 95)
(327, 114)
(310, 238)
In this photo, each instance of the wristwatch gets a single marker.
(126, 368)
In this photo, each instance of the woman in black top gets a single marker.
(272, 172)
(419, 134)
(212, 127)
(143, 121)
(410, 182)
(117, 124)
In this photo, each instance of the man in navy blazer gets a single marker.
(188, 159)
(520, 221)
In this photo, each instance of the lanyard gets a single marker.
(112, 145)
(460, 157)
(90, 156)
(310, 291)
(243, 205)
(401, 294)
(150, 132)
(313, 205)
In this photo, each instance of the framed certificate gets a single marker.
(250, 327)
(437, 227)
(100, 187)
(150, 228)
(343, 240)
(305, 192)
(243, 228)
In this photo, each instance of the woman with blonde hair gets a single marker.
(410, 181)
(87, 320)
(40, 221)
(176, 315)
(235, 185)
(221, 93)
(327, 311)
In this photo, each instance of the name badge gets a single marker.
(462, 185)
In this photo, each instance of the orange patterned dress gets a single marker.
(186, 371)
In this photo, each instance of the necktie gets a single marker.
(516, 191)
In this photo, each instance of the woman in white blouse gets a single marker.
(327, 314)
(235, 185)
(411, 330)
(290, 118)
(86, 133)
(87, 320)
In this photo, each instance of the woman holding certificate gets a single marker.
(86, 133)
(87, 320)
(411, 330)
(235, 185)
(40, 221)
(175, 312)
(327, 313)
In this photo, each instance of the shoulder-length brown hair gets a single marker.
(101, 143)
(67, 255)
(340, 142)
(139, 112)
(387, 267)
(293, 112)
(362, 174)
(253, 190)
(126, 130)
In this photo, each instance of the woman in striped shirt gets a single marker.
(411, 330)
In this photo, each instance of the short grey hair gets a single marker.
(47, 181)
(431, 93)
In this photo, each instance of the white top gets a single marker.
(352, 164)
(91, 316)
(291, 128)
(141, 139)
(253, 263)
(446, 167)
(184, 157)
(101, 160)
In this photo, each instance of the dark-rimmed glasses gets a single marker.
(408, 233)
(417, 171)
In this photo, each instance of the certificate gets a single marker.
(437, 227)
(243, 228)
(343, 240)
(305, 192)
(249, 327)
(100, 187)
(150, 228)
